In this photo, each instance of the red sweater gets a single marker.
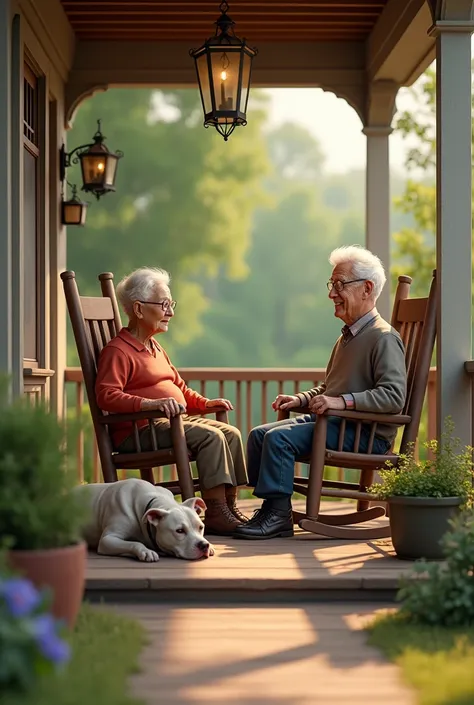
(128, 373)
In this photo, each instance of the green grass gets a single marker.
(105, 653)
(437, 661)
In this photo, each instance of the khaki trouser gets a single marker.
(217, 447)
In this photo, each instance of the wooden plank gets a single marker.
(294, 654)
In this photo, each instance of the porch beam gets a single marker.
(454, 223)
(399, 47)
(334, 66)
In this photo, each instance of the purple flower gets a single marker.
(51, 646)
(43, 626)
(20, 595)
(55, 649)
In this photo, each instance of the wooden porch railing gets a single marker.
(251, 391)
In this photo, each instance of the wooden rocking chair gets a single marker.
(95, 321)
(415, 320)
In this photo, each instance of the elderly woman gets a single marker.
(136, 374)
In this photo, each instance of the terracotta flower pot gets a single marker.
(60, 569)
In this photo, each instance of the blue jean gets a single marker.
(273, 448)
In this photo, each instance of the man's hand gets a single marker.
(321, 403)
(213, 403)
(286, 401)
(168, 406)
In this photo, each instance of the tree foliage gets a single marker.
(415, 246)
(184, 201)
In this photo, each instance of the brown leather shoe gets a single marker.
(219, 520)
(232, 504)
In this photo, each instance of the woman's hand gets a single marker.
(286, 401)
(169, 406)
(321, 403)
(212, 403)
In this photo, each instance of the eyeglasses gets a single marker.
(164, 304)
(339, 286)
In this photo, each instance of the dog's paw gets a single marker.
(212, 550)
(147, 555)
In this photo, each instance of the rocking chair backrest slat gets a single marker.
(415, 319)
(95, 321)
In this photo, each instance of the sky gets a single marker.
(335, 124)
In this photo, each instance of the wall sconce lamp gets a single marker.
(98, 165)
(74, 211)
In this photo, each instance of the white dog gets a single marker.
(135, 518)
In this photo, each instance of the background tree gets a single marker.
(415, 245)
(184, 201)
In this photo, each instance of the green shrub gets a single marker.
(448, 474)
(443, 593)
(37, 508)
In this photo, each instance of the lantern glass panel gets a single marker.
(247, 65)
(110, 169)
(74, 213)
(225, 76)
(93, 168)
(203, 75)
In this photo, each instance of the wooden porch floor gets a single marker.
(305, 567)
(276, 654)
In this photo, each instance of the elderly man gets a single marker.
(366, 372)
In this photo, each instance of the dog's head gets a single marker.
(179, 531)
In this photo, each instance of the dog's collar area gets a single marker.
(150, 532)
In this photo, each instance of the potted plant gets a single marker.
(40, 516)
(424, 495)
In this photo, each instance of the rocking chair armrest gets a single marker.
(351, 415)
(222, 414)
(129, 418)
(365, 416)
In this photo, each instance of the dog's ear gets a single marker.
(195, 503)
(154, 516)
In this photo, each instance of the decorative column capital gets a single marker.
(452, 15)
(380, 107)
(377, 131)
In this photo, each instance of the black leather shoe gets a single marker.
(268, 523)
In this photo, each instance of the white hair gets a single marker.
(138, 286)
(365, 265)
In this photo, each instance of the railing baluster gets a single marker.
(238, 402)
(80, 434)
(263, 409)
(249, 406)
(95, 463)
(431, 409)
(221, 389)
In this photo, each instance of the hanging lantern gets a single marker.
(98, 165)
(74, 211)
(223, 67)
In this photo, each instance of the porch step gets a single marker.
(306, 568)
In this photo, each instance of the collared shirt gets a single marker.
(349, 332)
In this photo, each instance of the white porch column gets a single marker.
(454, 222)
(6, 356)
(377, 209)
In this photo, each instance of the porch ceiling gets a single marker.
(192, 20)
